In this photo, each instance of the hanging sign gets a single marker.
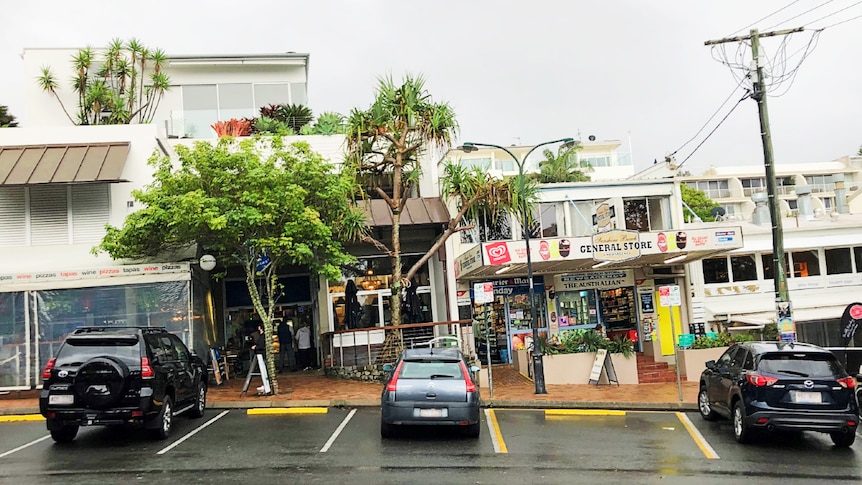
(483, 292)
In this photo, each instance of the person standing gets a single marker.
(287, 358)
(303, 343)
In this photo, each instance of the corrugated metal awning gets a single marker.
(55, 164)
(417, 211)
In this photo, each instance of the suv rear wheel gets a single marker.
(66, 434)
(741, 431)
(164, 419)
(843, 440)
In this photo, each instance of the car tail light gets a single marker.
(471, 387)
(46, 372)
(760, 380)
(848, 382)
(146, 369)
(393, 383)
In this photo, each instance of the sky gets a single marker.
(523, 72)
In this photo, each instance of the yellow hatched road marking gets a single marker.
(264, 411)
(584, 412)
(697, 437)
(16, 418)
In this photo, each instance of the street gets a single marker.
(320, 445)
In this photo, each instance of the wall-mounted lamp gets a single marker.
(207, 262)
(675, 259)
(603, 263)
(503, 270)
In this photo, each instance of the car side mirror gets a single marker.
(387, 367)
(710, 364)
(474, 369)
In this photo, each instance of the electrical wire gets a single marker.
(841, 22)
(801, 14)
(762, 19)
(835, 12)
(747, 95)
(707, 121)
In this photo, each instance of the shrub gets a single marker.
(577, 341)
(722, 339)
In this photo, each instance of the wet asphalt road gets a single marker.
(343, 446)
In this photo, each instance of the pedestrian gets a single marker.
(287, 357)
(303, 343)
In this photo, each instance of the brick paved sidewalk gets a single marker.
(511, 389)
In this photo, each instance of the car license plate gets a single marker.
(430, 413)
(60, 399)
(804, 397)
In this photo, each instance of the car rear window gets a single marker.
(77, 351)
(424, 369)
(801, 364)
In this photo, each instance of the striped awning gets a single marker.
(55, 164)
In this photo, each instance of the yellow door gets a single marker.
(665, 334)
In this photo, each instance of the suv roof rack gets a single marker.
(82, 330)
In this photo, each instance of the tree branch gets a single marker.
(379, 245)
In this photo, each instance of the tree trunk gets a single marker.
(395, 300)
(267, 324)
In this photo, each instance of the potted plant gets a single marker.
(692, 361)
(569, 357)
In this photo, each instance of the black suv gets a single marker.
(121, 375)
(780, 386)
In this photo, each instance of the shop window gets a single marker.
(744, 267)
(545, 221)
(489, 228)
(806, 263)
(647, 214)
(580, 220)
(715, 270)
(857, 256)
(838, 261)
(768, 273)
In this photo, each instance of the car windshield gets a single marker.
(801, 364)
(430, 369)
(77, 351)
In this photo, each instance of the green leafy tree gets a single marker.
(563, 166)
(7, 120)
(386, 143)
(699, 202)
(859, 153)
(253, 203)
(121, 85)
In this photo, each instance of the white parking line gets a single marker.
(192, 433)
(337, 432)
(24, 446)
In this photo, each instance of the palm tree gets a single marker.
(387, 141)
(563, 167)
(7, 120)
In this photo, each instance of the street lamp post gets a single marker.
(538, 364)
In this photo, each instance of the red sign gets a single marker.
(661, 242)
(498, 253)
(544, 250)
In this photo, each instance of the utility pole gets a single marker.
(783, 307)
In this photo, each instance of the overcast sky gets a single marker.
(518, 71)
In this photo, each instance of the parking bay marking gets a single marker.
(697, 437)
(337, 431)
(496, 435)
(192, 433)
(2, 455)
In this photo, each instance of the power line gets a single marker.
(707, 121)
(835, 12)
(841, 22)
(801, 14)
(762, 19)
(747, 95)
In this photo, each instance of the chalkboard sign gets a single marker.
(604, 363)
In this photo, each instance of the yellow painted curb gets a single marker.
(14, 418)
(264, 411)
(583, 412)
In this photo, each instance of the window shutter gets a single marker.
(12, 217)
(49, 215)
(90, 212)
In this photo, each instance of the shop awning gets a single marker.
(417, 211)
(579, 254)
(758, 309)
(53, 164)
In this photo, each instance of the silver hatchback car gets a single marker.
(430, 386)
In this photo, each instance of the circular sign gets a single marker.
(856, 312)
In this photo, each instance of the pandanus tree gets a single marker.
(387, 142)
(121, 84)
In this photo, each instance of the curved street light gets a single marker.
(538, 363)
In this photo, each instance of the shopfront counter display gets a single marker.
(495, 340)
(618, 309)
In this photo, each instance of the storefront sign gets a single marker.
(616, 245)
(483, 292)
(604, 217)
(469, 261)
(93, 273)
(600, 280)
